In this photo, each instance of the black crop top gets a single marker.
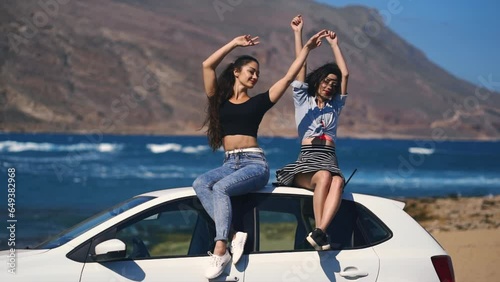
(244, 118)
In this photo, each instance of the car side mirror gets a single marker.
(112, 249)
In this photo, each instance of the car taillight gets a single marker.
(444, 268)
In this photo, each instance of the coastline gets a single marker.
(288, 135)
(468, 228)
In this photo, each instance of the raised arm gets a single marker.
(339, 58)
(211, 63)
(277, 90)
(297, 25)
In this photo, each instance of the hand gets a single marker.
(315, 40)
(332, 38)
(246, 40)
(297, 23)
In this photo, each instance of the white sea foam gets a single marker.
(68, 159)
(421, 151)
(105, 147)
(16, 147)
(195, 149)
(164, 175)
(174, 147)
(424, 181)
(162, 148)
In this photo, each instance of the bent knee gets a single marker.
(337, 182)
(201, 183)
(322, 178)
(323, 175)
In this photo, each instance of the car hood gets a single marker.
(21, 253)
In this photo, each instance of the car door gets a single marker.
(166, 243)
(281, 252)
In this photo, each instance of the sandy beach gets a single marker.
(468, 228)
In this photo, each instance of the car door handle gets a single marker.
(226, 279)
(352, 272)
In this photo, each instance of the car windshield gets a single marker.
(80, 228)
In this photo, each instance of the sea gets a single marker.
(61, 179)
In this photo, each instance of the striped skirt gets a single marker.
(312, 158)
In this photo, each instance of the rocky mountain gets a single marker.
(134, 67)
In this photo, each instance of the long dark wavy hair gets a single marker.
(315, 78)
(224, 91)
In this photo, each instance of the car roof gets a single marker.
(269, 189)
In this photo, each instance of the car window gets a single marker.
(283, 222)
(373, 229)
(277, 230)
(343, 231)
(80, 228)
(178, 228)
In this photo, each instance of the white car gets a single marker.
(165, 235)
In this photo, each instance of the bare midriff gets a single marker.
(318, 141)
(232, 142)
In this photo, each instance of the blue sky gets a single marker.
(463, 37)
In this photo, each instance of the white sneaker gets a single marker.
(217, 264)
(238, 245)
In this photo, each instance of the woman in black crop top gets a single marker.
(233, 119)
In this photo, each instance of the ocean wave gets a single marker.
(16, 147)
(127, 172)
(421, 151)
(274, 151)
(69, 159)
(427, 181)
(106, 147)
(174, 147)
(164, 175)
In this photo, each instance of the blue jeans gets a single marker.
(240, 174)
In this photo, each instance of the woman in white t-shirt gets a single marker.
(319, 99)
